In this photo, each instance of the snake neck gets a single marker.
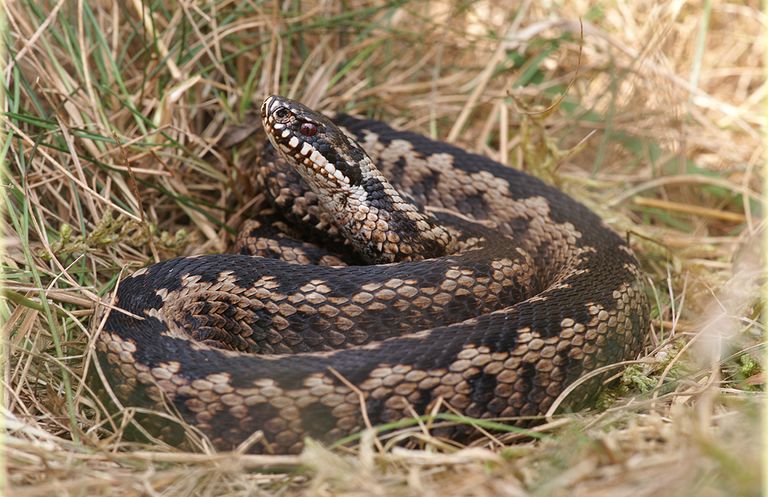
(381, 225)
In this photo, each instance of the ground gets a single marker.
(650, 113)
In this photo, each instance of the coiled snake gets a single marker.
(491, 293)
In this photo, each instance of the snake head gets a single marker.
(381, 225)
(321, 152)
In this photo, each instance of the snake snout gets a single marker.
(270, 105)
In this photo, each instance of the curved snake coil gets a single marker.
(490, 294)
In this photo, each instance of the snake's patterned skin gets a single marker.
(496, 293)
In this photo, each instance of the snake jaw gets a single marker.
(319, 150)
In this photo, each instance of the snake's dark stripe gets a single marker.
(532, 292)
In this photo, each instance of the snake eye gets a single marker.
(282, 113)
(308, 129)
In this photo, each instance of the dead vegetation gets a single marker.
(113, 113)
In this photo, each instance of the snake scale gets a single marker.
(429, 277)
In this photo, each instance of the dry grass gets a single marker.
(113, 111)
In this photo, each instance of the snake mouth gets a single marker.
(311, 143)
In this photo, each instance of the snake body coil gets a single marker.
(492, 292)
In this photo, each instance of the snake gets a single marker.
(387, 276)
